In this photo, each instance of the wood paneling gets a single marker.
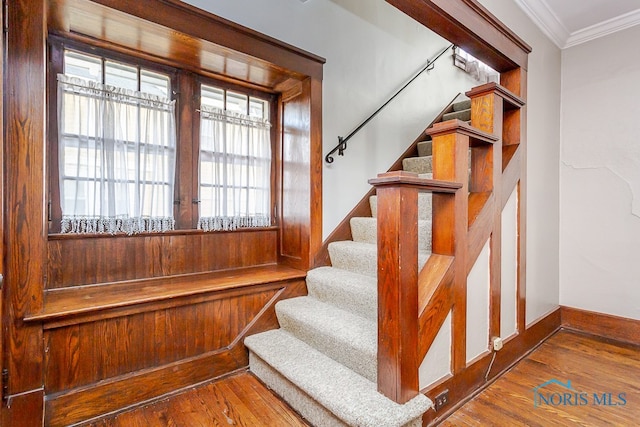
(301, 182)
(97, 367)
(24, 207)
(600, 324)
(78, 260)
(90, 352)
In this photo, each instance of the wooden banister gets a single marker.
(467, 206)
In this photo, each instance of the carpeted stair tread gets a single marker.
(424, 202)
(360, 257)
(344, 289)
(418, 164)
(289, 366)
(464, 115)
(462, 105)
(365, 229)
(425, 148)
(345, 337)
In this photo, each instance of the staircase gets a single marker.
(323, 359)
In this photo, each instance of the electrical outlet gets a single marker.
(441, 400)
(496, 343)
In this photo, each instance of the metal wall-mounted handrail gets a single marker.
(342, 141)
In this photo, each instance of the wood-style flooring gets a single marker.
(608, 370)
(604, 388)
(237, 401)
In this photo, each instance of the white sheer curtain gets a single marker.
(117, 151)
(235, 171)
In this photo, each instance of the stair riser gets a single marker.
(361, 263)
(418, 164)
(424, 206)
(360, 300)
(366, 230)
(360, 360)
(312, 411)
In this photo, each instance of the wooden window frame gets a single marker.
(185, 90)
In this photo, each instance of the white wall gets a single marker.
(478, 284)
(600, 176)
(543, 159)
(509, 268)
(371, 49)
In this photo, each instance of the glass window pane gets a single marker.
(155, 83)
(258, 109)
(212, 97)
(83, 66)
(121, 75)
(237, 102)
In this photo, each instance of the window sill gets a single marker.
(75, 305)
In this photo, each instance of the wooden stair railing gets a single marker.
(413, 305)
(398, 279)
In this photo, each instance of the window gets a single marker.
(476, 68)
(124, 161)
(116, 146)
(235, 160)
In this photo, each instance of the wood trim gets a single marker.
(510, 99)
(88, 402)
(468, 24)
(171, 18)
(25, 225)
(475, 135)
(466, 383)
(68, 306)
(601, 324)
(412, 180)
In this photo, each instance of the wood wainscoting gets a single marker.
(129, 355)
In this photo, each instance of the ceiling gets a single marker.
(571, 22)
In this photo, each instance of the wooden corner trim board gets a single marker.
(603, 325)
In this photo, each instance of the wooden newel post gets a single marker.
(398, 292)
(398, 280)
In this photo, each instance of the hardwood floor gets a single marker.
(604, 387)
(592, 365)
(239, 400)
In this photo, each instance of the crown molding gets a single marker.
(542, 15)
(604, 28)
